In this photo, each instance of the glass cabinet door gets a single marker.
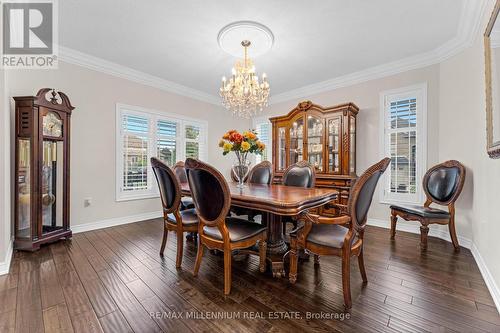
(52, 183)
(24, 189)
(352, 149)
(282, 148)
(296, 141)
(334, 137)
(315, 142)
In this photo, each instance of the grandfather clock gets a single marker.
(42, 169)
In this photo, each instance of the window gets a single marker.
(263, 128)
(403, 120)
(141, 134)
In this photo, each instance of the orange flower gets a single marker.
(249, 135)
(236, 137)
(228, 134)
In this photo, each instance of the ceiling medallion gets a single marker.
(244, 94)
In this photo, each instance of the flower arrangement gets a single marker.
(245, 143)
(241, 145)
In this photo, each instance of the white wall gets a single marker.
(367, 97)
(462, 135)
(94, 96)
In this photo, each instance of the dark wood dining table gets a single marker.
(275, 201)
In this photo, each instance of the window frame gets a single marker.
(153, 117)
(418, 91)
(256, 121)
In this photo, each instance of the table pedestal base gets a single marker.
(276, 246)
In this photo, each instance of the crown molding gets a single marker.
(98, 64)
(469, 24)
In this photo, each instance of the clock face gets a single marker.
(52, 125)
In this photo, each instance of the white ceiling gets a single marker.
(315, 40)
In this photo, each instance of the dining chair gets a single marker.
(174, 219)
(216, 230)
(261, 173)
(301, 174)
(180, 172)
(342, 235)
(442, 185)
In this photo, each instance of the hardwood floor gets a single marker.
(113, 280)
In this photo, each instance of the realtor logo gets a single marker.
(29, 33)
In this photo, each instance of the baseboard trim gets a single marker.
(5, 265)
(115, 221)
(414, 228)
(487, 276)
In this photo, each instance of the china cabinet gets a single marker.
(41, 181)
(323, 136)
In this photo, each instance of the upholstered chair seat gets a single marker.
(187, 203)
(238, 229)
(423, 211)
(442, 185)
(331, 235)
(188, 216)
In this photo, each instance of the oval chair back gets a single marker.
(301, 174)
(361, 195)
(443, 182)
(180, 172)
(262, 173)
(209, 191)
(168, 185)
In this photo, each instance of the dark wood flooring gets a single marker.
(113, 280)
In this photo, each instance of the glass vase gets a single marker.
(241, 167)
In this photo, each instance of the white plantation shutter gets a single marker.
(135, 138)
(404, 135)
(142, 134)
(263, 130)
(195, 137)
(166, 142)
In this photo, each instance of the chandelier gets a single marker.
(243, 93)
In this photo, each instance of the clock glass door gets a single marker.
(24, 204)
(52, 182)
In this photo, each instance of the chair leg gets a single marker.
(394, 220)
(227, 271)
(361, 263)
(262, 255)
(294, 259)
(199, 256)
(424, 230)
(164, 241)
(346, 279)
(316, 259)
(453, 234)
(180, 247)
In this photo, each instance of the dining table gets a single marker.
(275, 201)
